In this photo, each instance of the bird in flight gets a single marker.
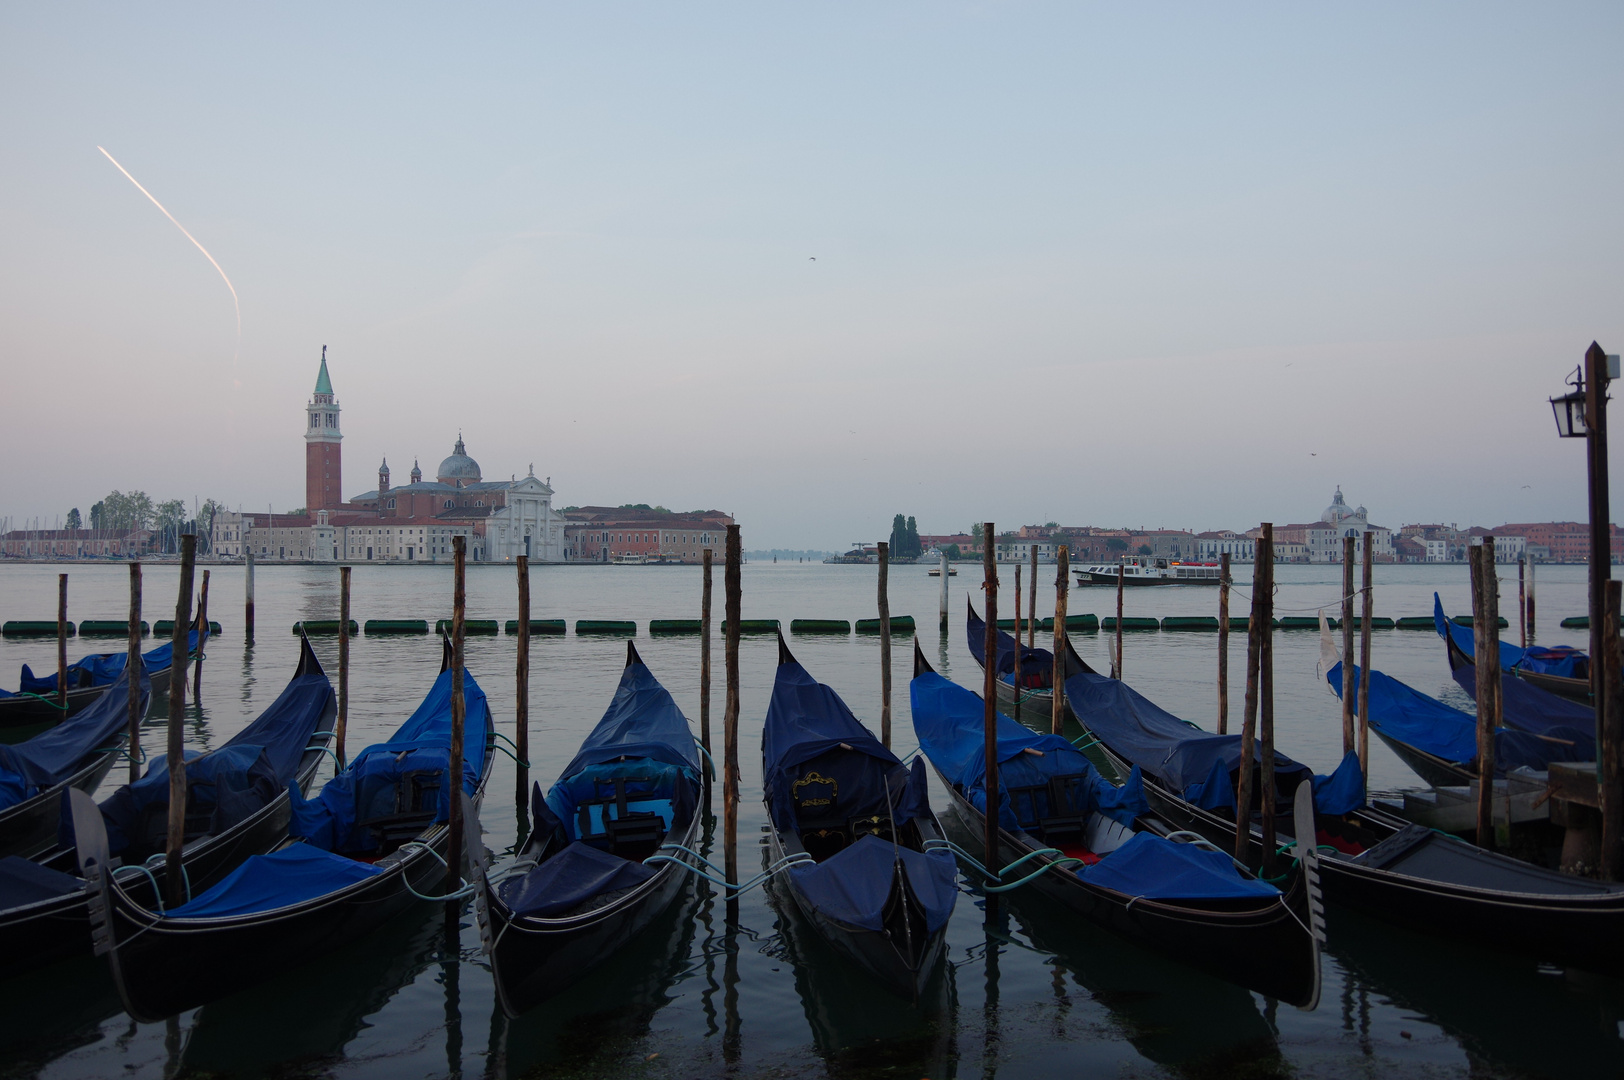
(811, 258)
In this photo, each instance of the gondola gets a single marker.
(35, 700)
(76, 753)
(852, 835)
(365, 848)
(1103, 854)
(1440, 742)
(1559, 669)
(237, 806)
(1374, 861)
(1037, 667)
(632, 790)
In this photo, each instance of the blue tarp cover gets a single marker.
(1406, 715)
(802, 736)
(1032, 660)
(297, 873)
(853, 885)
(949, 722)
(25, 882)
(569, 879)
(100, 669)
(40, 763)
(1563, 660)
(383, 778)
(1158, 869)
(1527, 708)
(1182, 756)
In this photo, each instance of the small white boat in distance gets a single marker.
(1150, 570)
(936, 571)
(629, 558)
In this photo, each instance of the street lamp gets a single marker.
(1570, 408)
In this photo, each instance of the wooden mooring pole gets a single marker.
(1062, 584)
(989, 695)
(248, 598)
(133, 660)
(459, 706)
(885, 646)
(1116, 660)
(946, 572)
(174, 873)
(1487, 666)
(1349, 684)
(1254, 638)
(202, 638)
(1032, 604)
(1223, 643)
(341, 728)
(1265, 693)
(1367, 607)
(1015, 674)
(730, 714)
(1532, 564)
(705, 667)
(62, 643)
(1612, 807)
(1522, 603)
(521, 679)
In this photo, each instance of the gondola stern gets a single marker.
(920, 665)
(633, 658)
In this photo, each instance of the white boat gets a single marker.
(629, 558)
(1150, 570)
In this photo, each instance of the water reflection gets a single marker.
(51, 1012)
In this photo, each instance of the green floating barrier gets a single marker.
(673, 626)
(1415, 622)
(538, 626)
(1299, 622)
(469, 626)
(755, 626)
(166, 627)
(33, 628)
(107, 628)
(820, 626)
(1581, 622)
(1190, 622)
(606, 626)
(1466, 620)
(900, 624)
(321, 626)
(397, 626)
(1377, 622)
(1085, 622)
(1130, 623)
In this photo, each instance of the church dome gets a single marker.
(1338, 508)
(459, 468)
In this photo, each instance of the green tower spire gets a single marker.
(324, 385)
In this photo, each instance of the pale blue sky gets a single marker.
(1181, 265)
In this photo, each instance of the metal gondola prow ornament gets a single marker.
(90, 835)
(478, 866)
(1307, 855)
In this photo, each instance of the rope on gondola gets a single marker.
(51, 701)
(337, 764)
(799, 858)
(710, 762)
(1064, 862)
(463, 893)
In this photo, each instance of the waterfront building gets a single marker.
(1212, 546)
(1321, 540)
(604, 533)
(76, 543)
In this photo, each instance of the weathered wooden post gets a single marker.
(248, 600)
(202, 636)
(1612, 809)
(1062, 583)
(1522, 601)
(946, 571)
(133, 660)
(1488, 683)
(62, 643)
(1349, 686)
(521, 676)
(1265, 692)
(1532, 563)
(342, 726)
(1015, 674)
(1032, 605)
(1254, 639)
(459, 706)
(989, 694)
(1364, 665)
(1116, 661)
(174, 874)
(730, 716)
(885, 646)
(705, 665)
(1223, 643)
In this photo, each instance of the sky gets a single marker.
(1158, 265)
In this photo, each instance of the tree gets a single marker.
(125, 512)
(98, 515)
(205, 523)
(975, 533)
(952, 551)
(1144, 549)
(1051, 524)
(1116, 543)
(904, 543)
(73, 521)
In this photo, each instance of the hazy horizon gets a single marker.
(1175, 266)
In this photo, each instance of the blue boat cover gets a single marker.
(949, 722)
(1404, 714)
(1526, 707)
(297, 873)
(46, 760)
(401, 776)
(1563, 660)
(23, 881)
(569, 879)
(1159, 869)
(1032, 660)
(99, 669)
(809, 733)
(1194, 763)
(853, 885)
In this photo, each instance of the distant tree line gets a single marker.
(905, 538)
(125, 512)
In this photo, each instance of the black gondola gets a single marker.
(1037, 667)
(76, 753)
(305, 896)
(35, 700)
(1061, 814)
(632, 789)
(853, 839)
(44, 906)
(1381, 863)
(1562, 671)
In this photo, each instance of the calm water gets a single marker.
(1038, 992)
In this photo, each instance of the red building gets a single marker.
(324, 449)
(603, 533)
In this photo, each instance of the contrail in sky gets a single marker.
(189, 236)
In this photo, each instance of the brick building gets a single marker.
(76, 543)
(604, 533)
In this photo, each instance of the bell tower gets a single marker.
(324, 473)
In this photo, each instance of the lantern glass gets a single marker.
(1570, 415)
